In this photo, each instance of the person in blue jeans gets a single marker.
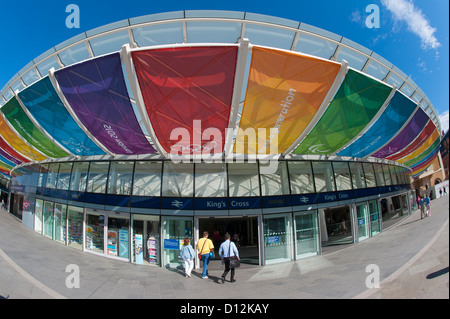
(205, 248)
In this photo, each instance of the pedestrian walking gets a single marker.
(228, 250)
(187, 254)
(205, 249)
(422, 207)
(428, 205)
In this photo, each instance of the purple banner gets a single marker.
(406, 136)
(98, 95)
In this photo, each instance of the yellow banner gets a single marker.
(15, 142)
(422, 148)
(284, 92)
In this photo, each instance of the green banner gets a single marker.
(26, 128)
(355, 104)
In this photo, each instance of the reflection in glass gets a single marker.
(357, 172)
(38, 216)
(98, 174)
(48, 219)
(369, 174)
(275, 183)
(277, 238)
(301, 177)
(213, 31)
(79, 177)
(120, 178)
(147, 179)
(306, 234)
(210, 180)
(178, 180)
(362, 217)
(243, 179)
(323, 177)
(375, 218)
(175, 230)
(342, 176)
(75, 227)
(65, 169)
(318, 47)
(60, 222)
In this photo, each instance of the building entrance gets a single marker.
(243, 232)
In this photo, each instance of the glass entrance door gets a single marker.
(375, 218)
(362, 215)
(174, 231)
(277, 238)
(306, 234)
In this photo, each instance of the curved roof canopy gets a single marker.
(214, 84)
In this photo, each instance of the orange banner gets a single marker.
(15, 142)
(284, 92)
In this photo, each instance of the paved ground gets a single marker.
(412, 259)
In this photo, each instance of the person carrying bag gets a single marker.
(206, 252)
(230, 256)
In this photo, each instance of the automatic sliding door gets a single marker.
(306, 234)
(277, 238)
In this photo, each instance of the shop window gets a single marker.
(38, 216)
(120, 178)
(147, 178)
(98, 175)
(79, 177)
(178, 180)
(48, 219)
(275, 183)
(342, 176)
(210, 180)
(323, 177)
(301, 177)
(375, 218)
(338, 226)
(60, 222)
(75, 227)
(146, 240)
(243, 179)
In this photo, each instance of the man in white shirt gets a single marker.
(228, 249)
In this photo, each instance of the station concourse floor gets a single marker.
(412, 257)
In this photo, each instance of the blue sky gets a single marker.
(413, 34)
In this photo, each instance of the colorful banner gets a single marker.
(26, 128)
(8, 149)
(187, 92)
(43, 103)
(355, 104)
(97, 93)
(432, 140)
(419, 157)
(406, 136)
(389, 123)
(14, 141)
(418, 141)
(284, 92)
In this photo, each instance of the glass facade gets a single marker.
(150, 233)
